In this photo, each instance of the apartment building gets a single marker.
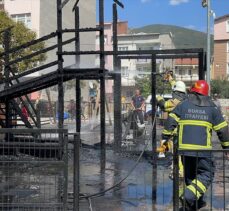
(140, 67)
(122, 28)
(128, 41)
(40, 16)
(221, 48)
(186, 70)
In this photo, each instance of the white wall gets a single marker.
(48, 24)
(26, 6)
(143, 42)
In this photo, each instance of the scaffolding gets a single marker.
(14, 88)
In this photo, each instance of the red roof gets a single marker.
(187, 61)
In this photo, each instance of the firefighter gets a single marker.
(195, 118)
(178, 95)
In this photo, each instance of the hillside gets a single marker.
(182, 37)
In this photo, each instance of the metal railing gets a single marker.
(209, 167)
(33, 169)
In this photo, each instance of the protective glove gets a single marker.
(159, 98)
(163, 148)
(168, 76)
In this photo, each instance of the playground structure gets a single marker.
(15, 89)
(36, 143)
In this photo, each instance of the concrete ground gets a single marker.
(100, 173)
(136, 192)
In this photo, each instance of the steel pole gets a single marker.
(208, 78)
(60, 66)
(154, 141)
(117, 85)
(102, 78)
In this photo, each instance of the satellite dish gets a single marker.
(91, 85)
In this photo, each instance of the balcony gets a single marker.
(143, 61)
(187, 78)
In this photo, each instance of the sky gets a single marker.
(184, 13)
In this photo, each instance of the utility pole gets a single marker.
(209, 42)
(207, 3)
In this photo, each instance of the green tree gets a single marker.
(220, 87)
(20, 35)
(144, 84)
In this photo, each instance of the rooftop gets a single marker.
(222, 18)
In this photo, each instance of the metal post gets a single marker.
(77, 60)
(209, 42)
(102, 79)
(65, 159)
(175, 178)
(60, 66)
(154, 142)
(76, 179)
(117, 85)
(6, 43)
(201, 66)
(76, 165)
(38, 115)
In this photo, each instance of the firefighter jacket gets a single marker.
(169, 105)
(195, 118)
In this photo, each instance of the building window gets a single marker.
(97, 61)
(123, 48)
(228, 47)
(189, 72)
(23, 18)
(228, 69)
(142, 60)
(98, 40)
(125, 71)
(227, 26)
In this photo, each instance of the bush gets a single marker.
(220, 87)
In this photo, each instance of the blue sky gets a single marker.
(185, 13)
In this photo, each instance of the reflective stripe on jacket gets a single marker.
(195, 118)
(168, 105)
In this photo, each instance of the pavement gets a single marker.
(146, 188)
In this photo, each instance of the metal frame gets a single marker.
(41, 152)
(63, 74)
(212, 152)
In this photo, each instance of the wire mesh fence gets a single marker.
(33, 169)
(205, 182)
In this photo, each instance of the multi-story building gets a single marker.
(221, 48)
(140, 67)
(40, 16)
(186, 70)
(122, 28)
(127, 41)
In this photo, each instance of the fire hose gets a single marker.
(99, 194)
(162, 149)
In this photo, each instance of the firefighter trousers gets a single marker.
(198, 175)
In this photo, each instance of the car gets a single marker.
(148, 101)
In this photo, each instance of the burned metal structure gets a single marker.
(30, 141)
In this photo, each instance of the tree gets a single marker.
(144, 84)
(20, 35)
(220, 87)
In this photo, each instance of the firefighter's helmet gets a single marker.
(200, 87)
(180, 87)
